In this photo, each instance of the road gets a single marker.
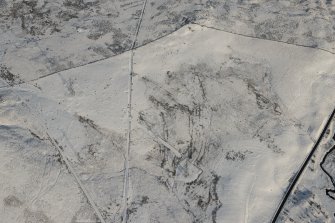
(301, 170)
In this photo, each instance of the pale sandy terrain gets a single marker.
(166, 111)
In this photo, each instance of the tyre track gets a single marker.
(71, 171)
(130, 84)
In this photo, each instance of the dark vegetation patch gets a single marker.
(237, 155)
(8, 76)
(35, 20)
(88, 122)
(12, 201)
(36, 217)
(79, 4)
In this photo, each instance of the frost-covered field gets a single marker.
(226, 100)
(313, 199)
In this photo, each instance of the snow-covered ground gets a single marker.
(225, 108)
(313, 199)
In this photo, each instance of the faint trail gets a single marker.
(301, 170)
(130, 89)
(161, 37)
(92, 62)
(82, 187)
(271, 40)
(161, 141)
(246, 215)
(68, 165)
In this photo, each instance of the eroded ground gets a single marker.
(227, 101)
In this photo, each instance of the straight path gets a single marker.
(130, 89)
